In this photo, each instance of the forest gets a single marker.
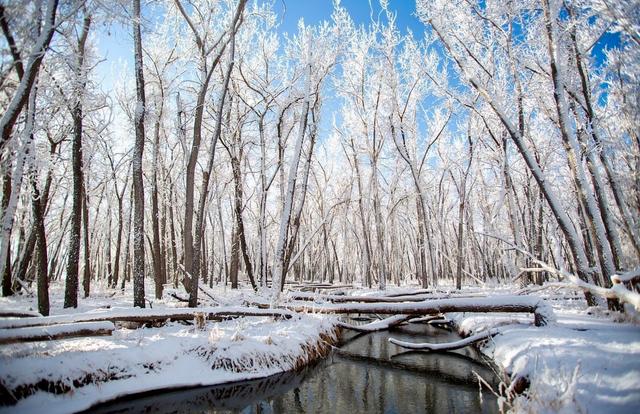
(482, 160)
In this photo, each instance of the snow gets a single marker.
(138, 360)
(585, 362)
(149, 359)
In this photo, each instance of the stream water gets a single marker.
(366, 374)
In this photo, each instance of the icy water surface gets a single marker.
(366, 375)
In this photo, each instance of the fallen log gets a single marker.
(323, 287)
(446, 346)
(418, 297)
(62, 331)
(379, 325)
(10, 313)
(146, 316)
(409, 293)
(430, 319)
(543, 313)
(361, 299)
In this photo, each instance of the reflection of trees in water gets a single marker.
(367, 374)
(449, 368)
(204, 399)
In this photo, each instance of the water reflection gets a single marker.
(367, 374)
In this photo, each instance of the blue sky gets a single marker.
(115, 45)
(314, 11)
(116, 48)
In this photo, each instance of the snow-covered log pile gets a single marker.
(74, 374)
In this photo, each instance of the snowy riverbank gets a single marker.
(76, 373)
(588, 361)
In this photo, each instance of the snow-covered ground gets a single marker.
(588, 361)
(89, 370)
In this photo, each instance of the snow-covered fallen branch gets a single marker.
(377, 298)
(379, 325)
(10, 313)
(178, 298)
(44, 333)
(430, 319)
(145, 316)
(412, 292)
(209, 294)
(446, 346)
(504, 303)
(319, 286)
(362, 299)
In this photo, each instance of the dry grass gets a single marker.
(269, 360)
(309, 351)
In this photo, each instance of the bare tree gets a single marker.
(138, 185)
(71, 285)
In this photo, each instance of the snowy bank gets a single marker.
(582, 363)
(75, 374)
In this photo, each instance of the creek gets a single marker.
(366, 374)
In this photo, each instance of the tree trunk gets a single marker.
(138, 185)
(459, 265)
(237, 179)
(116, 264)
(6, 246)
(627, 220)
(235, 259)
(204, 191)
(366, 251)
(86, 272)
(158, 260)
(71, 283)
(285, 219)
(172, 241)
(41, 248)
(382, 257)
(585, 192)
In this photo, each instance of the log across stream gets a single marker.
(365, 374)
